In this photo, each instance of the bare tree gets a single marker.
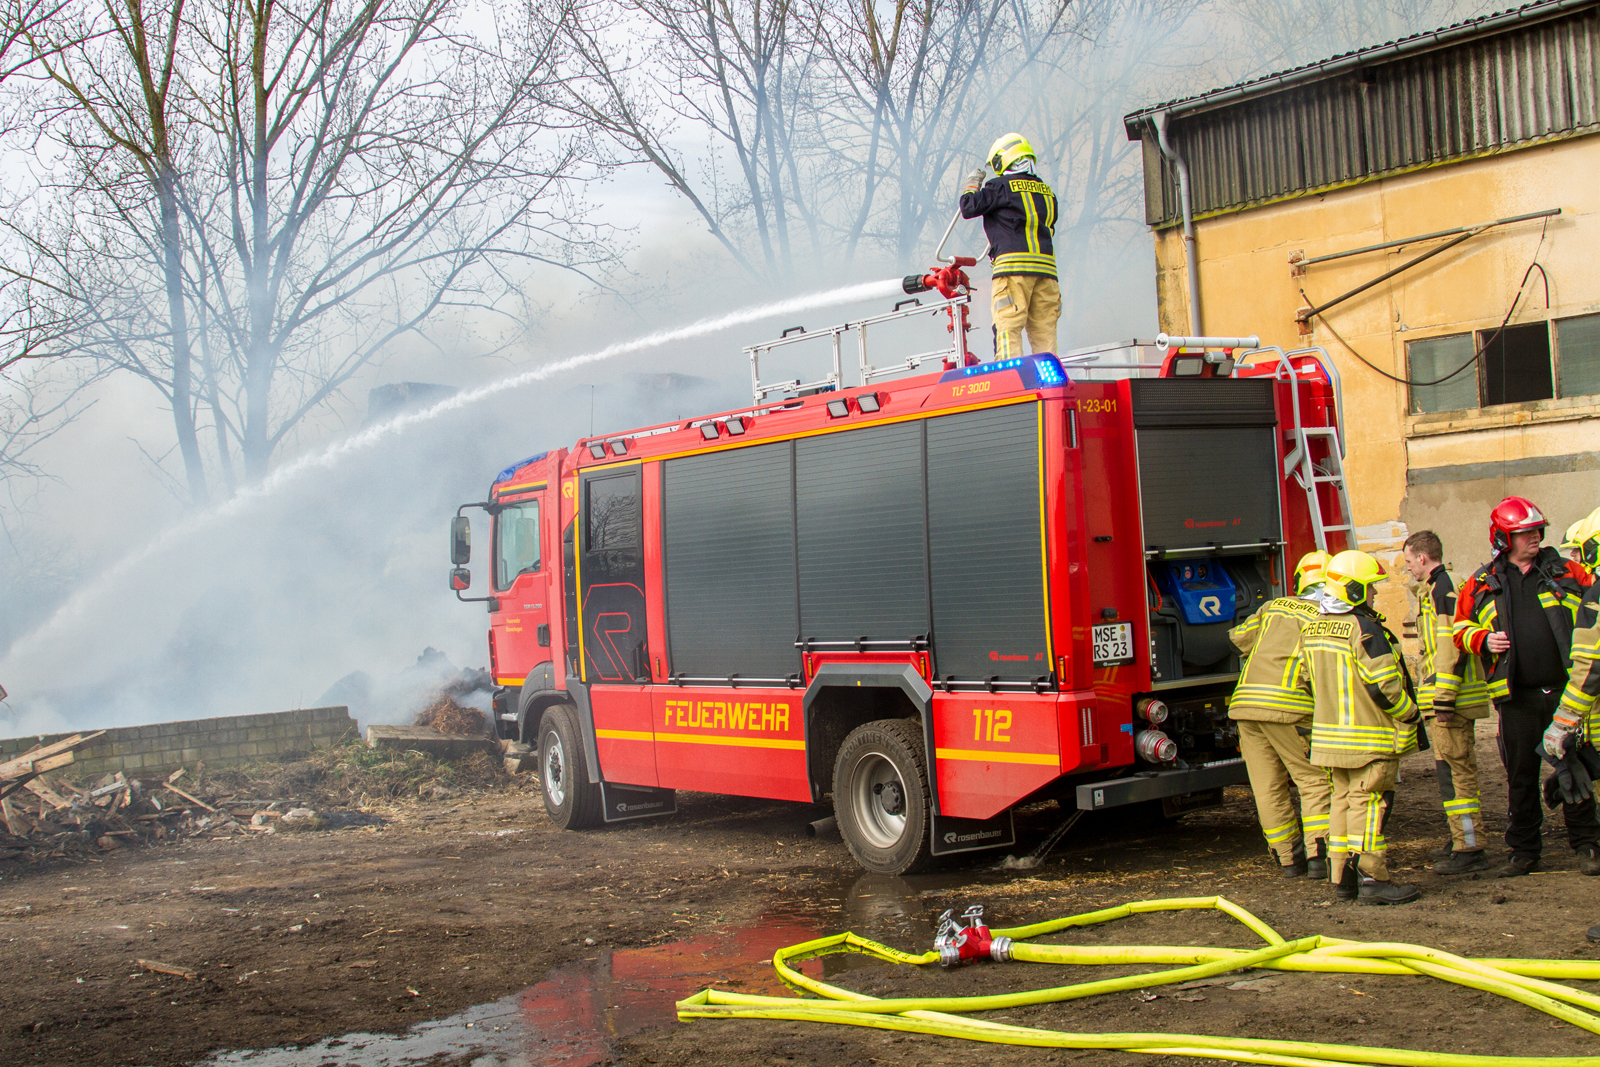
(734, 71)
(304, 183)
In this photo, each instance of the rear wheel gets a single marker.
(570, 799)
(881, 798)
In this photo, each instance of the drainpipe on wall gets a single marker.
(1187, 205)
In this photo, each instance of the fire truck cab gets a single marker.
(931, 599)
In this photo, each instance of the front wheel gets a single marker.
(880, 797)
(570, 799)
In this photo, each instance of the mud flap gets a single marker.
(620, 803)
(952, 835)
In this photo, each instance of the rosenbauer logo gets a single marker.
(1209, 524)
(953, 838)
(1001, 657)
(650, 805)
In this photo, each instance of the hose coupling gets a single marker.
(1000, 950)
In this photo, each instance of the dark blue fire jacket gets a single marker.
(1019, 216)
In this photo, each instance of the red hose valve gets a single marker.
(957, 943)
(949, 280)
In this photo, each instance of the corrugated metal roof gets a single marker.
(1476, 88)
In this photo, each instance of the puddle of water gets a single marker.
(572, 1018)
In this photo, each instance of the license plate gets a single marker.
(1113, 643)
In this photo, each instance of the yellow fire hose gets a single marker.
(1524, 981)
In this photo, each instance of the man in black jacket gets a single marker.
(1517, 614)
(1019, 218)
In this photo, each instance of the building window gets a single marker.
(1578, 355)
(1434, 359)
(1516, 364)
(1535, 361)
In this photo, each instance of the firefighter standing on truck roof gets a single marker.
(1365, 721)
(1274, 715)
(1517, 614)
(1453, 697)
(1019, 217)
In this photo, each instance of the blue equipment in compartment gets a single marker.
(1205, 590)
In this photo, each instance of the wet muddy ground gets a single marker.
(472, 932)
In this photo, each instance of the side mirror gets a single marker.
(460, 542)
(460, 578)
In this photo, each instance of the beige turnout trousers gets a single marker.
(1025, 300)
(1355, 820)
(1275, 753)
(1455, 752)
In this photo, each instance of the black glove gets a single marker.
(1424, 742)
(1569, 783)
(1589, 757)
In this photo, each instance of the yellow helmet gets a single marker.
(1350, 576)
(1308, 571)
(1584, 535)
(1008, 149)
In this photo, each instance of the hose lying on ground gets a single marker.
(1525, 981)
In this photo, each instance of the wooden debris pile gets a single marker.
(53, 816)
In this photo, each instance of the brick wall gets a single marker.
(159, 749)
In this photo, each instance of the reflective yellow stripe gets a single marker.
(716, 739)
(625, 735)
(1043, 759)
(509, 681)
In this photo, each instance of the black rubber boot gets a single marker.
(1296, 867)
(1386, 892)
(1462, 863)
(1317, 865)
(1348, 887)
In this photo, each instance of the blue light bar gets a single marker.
(1037, 372)
(506, 475)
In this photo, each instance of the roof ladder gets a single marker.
(1310, 480)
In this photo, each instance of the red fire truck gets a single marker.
(932, 598)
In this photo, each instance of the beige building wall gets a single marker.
(1440, 471)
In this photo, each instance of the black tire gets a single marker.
(881, 798)
(570, 799)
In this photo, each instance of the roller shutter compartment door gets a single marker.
(863, 559)
(1207, 461)
(985, 544)
(728, 523)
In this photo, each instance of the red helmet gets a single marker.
(1513, 515)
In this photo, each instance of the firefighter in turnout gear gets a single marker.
(1274, 716)
(1517, 615)
(1453, 697)
(1019, 219)
(1365, 720)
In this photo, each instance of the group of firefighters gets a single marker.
(1325, 701)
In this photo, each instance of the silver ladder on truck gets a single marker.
(1318, 455)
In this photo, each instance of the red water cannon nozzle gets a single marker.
(949, 280)
(959, 941)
